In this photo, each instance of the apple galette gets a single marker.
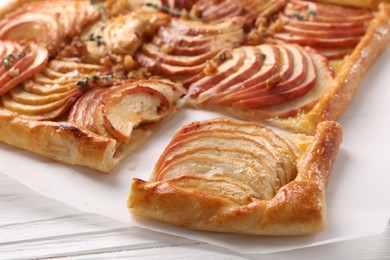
(229, 176)
(87, 82)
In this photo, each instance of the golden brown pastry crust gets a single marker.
(298, 208)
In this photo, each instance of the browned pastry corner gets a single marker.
(211, 194)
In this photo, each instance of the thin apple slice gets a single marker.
(273, 147)
(317, 25)
(82, 112)
(171, 37)
(264, 136)
(253, 62)
(132, 107)
(342, 42)
(40, 59)
(284, 93)
(329, 9)
(179, 60)
(35, 110)
(224, 140)
(21, 96)
(171, 71)
(47, 89)
(279, 71)
(197, 28)
(340, 33)
(17, 65)
(325, 76)
(217, 167)
(223, 70)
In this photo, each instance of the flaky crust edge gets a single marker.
(298, 208)
(60, 141)
(347, 81)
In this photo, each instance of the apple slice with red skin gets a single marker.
(221, 11)
(132, 107)
(330, 9)
(300, 82)
(194, 28)
(282, 69)
(40, 58)
(223, 70)
(324, 33)
(189, 51)
(253, 62)
(173, 38)
(154, 52)
(316, 25)
(82, 112)
(266, 99)
(171, 71)
(344, 42)
(31, 25)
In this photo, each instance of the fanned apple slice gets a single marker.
(38, 109)
(50, 23)
(178, 60)
(325, 27)
(282, 92)
(270, 140)
(118, 111)
(29, 98)
(225, 140)
(273, 55)
(253, 62)
(341, 42)
(219, 167)
(223, 70)
(169, 37)
(250, 10)
(199, 41)
(40, 58)
(203, 192)
(277, 72)
(194, 28)
(132, 107)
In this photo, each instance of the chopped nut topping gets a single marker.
(277, 26)
(129, 62)
(255, 37)
(167, 48)
(211, 67)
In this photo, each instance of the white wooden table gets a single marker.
(36, 227)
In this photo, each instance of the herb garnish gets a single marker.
(297, 16)
(9, 60)
(95, 38)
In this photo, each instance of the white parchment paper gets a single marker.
(358, 197)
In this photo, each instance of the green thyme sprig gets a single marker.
(297, 16)
(10, 59)
(95, 38)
